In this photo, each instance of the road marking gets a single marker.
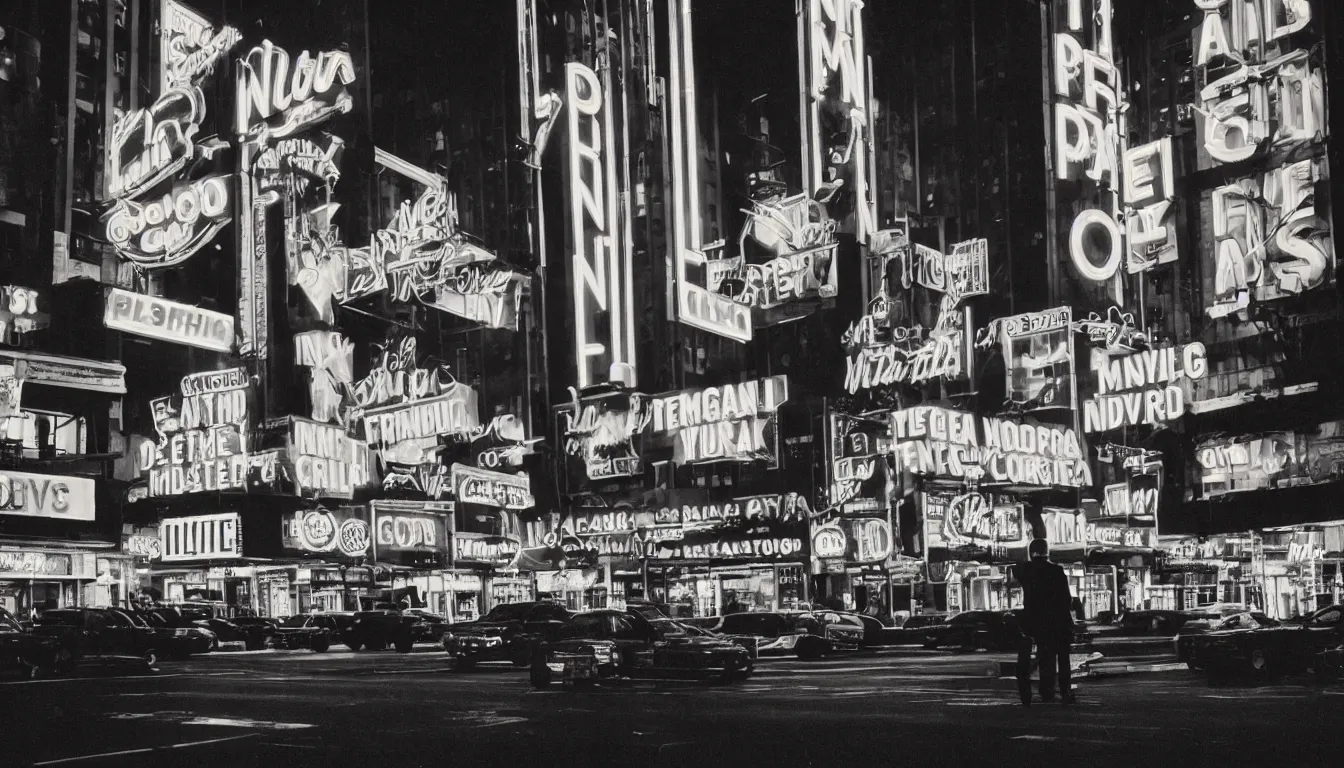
(230, 722)
(290, 746)
(1034, 737)
(142, 750)
(980, 703)
(81, 679)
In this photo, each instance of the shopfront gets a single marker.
(33, 579)
(697, 590)
(972, 539)
(479, 559)
(411, 545)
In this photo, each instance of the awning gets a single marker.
(69, 372)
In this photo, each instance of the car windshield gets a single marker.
(1246, 621)
(294, 622)
(8, 623)
(508, 612)
(669, 628)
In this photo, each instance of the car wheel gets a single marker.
(353, 645)
(321, 644)
(376, 644)
(460, 664)
(810, 651)
(540, 676)
(404, 645)
(150, 659)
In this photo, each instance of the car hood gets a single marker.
(480, 629)
(705, 643)
(296, 630)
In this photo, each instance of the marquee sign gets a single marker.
(327, 462)
(733, 422)
(341, 531)
(600, 268)
(404, 536)
(204, 438)
(972, 525)
(55, 497)
(1148, 387)
(946, 444)
(207, 537)
(159, 318)
(493, 489)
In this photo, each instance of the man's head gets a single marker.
(1040, 549)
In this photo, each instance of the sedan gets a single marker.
(1269, 652)
(1197, 634)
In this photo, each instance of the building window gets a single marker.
(47, 433)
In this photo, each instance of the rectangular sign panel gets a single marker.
(49, 496)
(167, 320)
(208, 537)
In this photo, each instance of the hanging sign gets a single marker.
(274, 102)
(493, 489)
(945, 444)
(341, 531)
(189, 46)
(1038, 358)
(1150, 193)
(151, 145)
(55, 497)
(733, 422)
(166, 231)
(1149, 387)
(20, 313)
(160, 318)
(207, 537)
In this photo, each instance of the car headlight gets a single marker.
(602, 653)
(491, 642)
(181, 632)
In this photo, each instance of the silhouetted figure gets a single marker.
(1046, 618)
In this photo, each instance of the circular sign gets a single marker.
(873, 540)
(1095, 245)
(353, 538)
(317, 530)
(829, 541)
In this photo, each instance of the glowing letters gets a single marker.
(727, 423)
(1143, 387)
(266, 89)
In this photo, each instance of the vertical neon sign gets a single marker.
(696, 305)
(601, 305)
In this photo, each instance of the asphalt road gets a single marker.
(298, 709)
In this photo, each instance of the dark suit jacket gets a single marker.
(1045, 602)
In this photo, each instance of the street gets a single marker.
(300, 709)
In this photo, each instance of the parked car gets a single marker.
(1153, 622)
(807, 634)
(99, 636)
(507, 633)
(379, 629)
(180, 635)
(1329, 664)
(23, 652)
(627, 644)
(1195, 634)
(252, 631)
(1291, 647)
(990, 630)
(910, 630)
(425, 627)
(315, 632)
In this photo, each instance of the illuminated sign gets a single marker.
(695, 304)
(1088, 91)
(342, 531)
(1143, 387)
(155, 143)
(327, 462)
(142, 545)
(799, 241)
(26, 565)
(273, 102)
(20, 313)
(1137, 497)
(48, 496)
(329, 358)
(829, 542)
(835, 144)
(203, 438)
(944, 443)
(595, 522)
(971, 525)
(858, 466)
(1067, 530)
(307, 158)
(480, 548)
(1150, 192)
(733, 422)
(744, 548)
(167, 320)
(600, 269)
(493, 489)
(165, 232)
(409, 538)
(208, 537)
(600, 431)
(189, 47)
(706, 514)
(1038, 358)
(1115, 333)
(1277, 460)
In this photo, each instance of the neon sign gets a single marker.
(189, 47)
(1150, 189)
(329, 358)
(493, 489)
(1143, 387)
(734, 422)
(272, 103)
(1038, 358)
(328, 463)
(600, 431)
(167, 231)
(159, 318)
(600, 276)
(945, 444)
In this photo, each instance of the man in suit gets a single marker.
(1048, 621)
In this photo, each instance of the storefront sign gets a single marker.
(1147, 387)
(494, 489)
(406, 538)
(591, 522)
(57, 497)
(618, 545)
(165, 232)
(208, 537)
(707, 515)
(1038, 358)
(973, 521)
(67, 372)
(1067, 529)
(752, 548)
(141, 545)
(1150, 191)
(271, 103)
(26, 565)
(734, 422)
(600, 431)
(203, 436)
(189, 46)
(160, 318)
(308, 159)
(328, 463)
(21, 313)
(604, 330)
(479, 548)
(343, 531)
(945, 444)
(829, 542)
(1278, 460)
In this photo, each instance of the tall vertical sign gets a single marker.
(835, 137)
(599, 279)
(1087, 131)
(696, 305)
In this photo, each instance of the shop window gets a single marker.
(48, 433)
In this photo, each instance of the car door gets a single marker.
(117, 635)
(1325, 629)
(634, 646)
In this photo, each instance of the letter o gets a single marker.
(1083, 243)
(187, 206)
(155, 213)
(214, 197)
